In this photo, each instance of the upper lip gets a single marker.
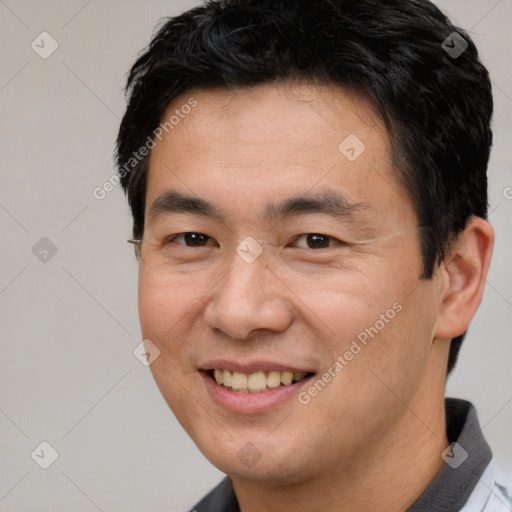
(252, 366)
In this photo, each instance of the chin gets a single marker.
(244, 459)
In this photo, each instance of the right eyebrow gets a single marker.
(175, 202)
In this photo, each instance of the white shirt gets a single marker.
(489, 495)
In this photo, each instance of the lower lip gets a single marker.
(251, 403)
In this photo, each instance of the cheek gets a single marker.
(398, 344)
(384, 320)
(163, 319)
(340, 303)
(163, 303)
(155, 308)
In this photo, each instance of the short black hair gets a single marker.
(422, 74)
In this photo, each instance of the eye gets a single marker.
(319, 241)
(191, 239)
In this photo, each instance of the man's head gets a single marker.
(262, 117)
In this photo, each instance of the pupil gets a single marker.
(194, 238)
(316, 241)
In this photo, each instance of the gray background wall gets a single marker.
(69, 320)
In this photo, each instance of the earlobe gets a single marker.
(464, 272)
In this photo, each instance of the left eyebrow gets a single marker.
(329, 202)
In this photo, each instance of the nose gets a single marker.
(249, 297)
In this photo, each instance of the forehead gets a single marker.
(244, 148)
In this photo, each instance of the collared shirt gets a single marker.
(466, 482)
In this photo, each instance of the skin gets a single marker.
(372, 438)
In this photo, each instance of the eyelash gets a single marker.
(331, 238)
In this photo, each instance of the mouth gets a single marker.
(253, 387)
(257, 382)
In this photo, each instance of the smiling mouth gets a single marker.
(258, 382)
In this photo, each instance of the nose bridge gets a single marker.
(248, 297)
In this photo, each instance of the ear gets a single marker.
(463, 278)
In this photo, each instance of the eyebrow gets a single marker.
(329, 202)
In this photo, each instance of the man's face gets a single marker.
(291, 301)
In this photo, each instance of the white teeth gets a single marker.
(239, 381)
(257, 382)
(273, 379)
(226, 378)
(286, 378)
